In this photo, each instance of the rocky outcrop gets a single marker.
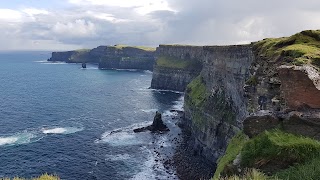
(156, 126)
(300, 86)
(111, 57)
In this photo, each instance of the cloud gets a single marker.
(90, 23)
(78, 29)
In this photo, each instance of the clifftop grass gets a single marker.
(145, 48)
(42, 177)
(176, 63)
(301, 48)
(281, 155)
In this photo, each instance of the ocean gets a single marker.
(58, 118)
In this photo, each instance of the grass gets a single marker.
(42, 177)
(173, 62)
(299, 49)
(145, 48)
(309, 170)
(233, 149)
(197, 91)
(250, 174)
(278, 146)
(290, 156)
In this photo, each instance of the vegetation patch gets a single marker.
(250, 174)
(42, 177)
(308, 170)
(299, 49)
(197, 92)
(275, 150)
(145, 48)
(233, 149)
(177, 63)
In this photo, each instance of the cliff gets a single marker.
(256, 87)
(176, 66)
(111, 57)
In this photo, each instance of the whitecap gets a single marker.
(56, 63)
(121, 139)
(61, 130)
(162, 90)
(149, 110)
(147, 71)
(19, 138)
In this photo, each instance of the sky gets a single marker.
(75, 24)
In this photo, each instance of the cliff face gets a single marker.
(216, 113)
(176, 66)
(267, 84)
(78, 56)
(111, 57)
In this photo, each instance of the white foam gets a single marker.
(62, 130)
(42, 61)
(7, 140)
(149, 110)
(53, 62)
(161, 90)
(121, 139)
(20, 138)
(147, 71)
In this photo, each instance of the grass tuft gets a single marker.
(233, 149)
(278, 146)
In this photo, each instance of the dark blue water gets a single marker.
(77, 123)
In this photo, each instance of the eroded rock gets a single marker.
(300, 86)
(157, 125)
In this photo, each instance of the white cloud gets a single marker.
(106, 17)
(79, 28)
(34, 11)
(10, 15)
(140, 6)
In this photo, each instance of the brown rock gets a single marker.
(300, 86)
(259, 122)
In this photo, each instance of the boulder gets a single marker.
(259, 122)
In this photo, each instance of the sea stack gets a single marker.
(84, 65)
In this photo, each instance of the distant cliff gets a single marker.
(176, 66)
(111, 57)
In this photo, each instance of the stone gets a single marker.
(259, 122)
(305, 123)
(157, 125)
(300, 86)
(84, 65)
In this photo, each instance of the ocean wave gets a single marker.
(147, 71)
(55, 63)
(162, 90)
(149, 110)
(61, 130)
(121, 139)
(19, 138)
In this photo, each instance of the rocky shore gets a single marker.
(188, 164)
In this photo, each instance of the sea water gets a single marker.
(58, 118)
